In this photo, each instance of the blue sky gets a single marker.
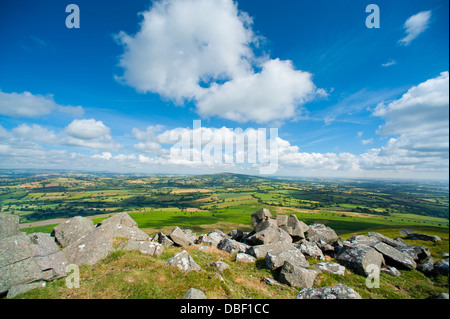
(348, 101)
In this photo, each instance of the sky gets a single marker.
(283, 88)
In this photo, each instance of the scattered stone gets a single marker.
(193, 293)
(245, 258)
(336, 292)
(416, 236)
(293, 256)
(441, 268)
(332, 268)
(426, 266)
(72, 230)
(297, 276)
(392, 271)
(395, 257)
(311, 250)
(271, 282)
(204, 248)
(184, 262)
(220, 265)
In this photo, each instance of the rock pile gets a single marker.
(28, 261)
(285, 243)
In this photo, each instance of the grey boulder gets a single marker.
(72, 230)
(332, 268)
(297, 276)
(193, 293)
(180, 238)
(184, 262)
(336, 292)
(293, 256)
(318, 232)
(91, 248)
(394, 257)
(359, 257)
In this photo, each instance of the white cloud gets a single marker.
(420, 122)
(273, 93)
(35, 133)
(201, 51)
(389, 63)
(104, 155)
(87, 129)
(368, 141)
(415, 25)
(29, 105)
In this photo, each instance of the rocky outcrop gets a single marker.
(336, 292)
(90, 248)
(26, 259)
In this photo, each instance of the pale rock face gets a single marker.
(184, 262)
(336, 292)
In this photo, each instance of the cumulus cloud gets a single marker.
(32, 105)
(91, 134)
(414, 26)
(35, 133)
(202, 51)
(420, 122)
